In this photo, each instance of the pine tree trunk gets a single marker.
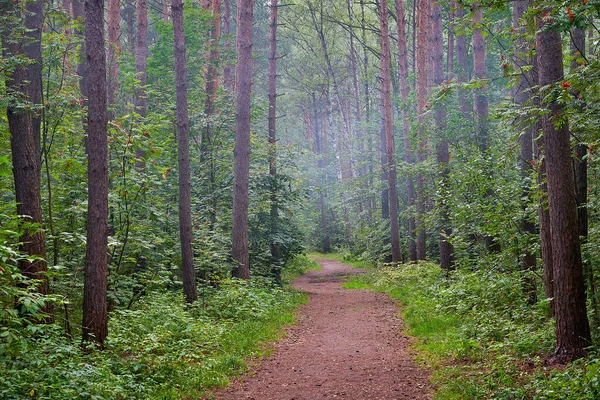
(95, 317)
(141, 55)
(463, 69)
(24, 128)
(272, 117)
(243, 87)
(389, 133)
(404, 92)
(522, 97)
(422, 62)
(227, 76)
(114, 28)
(188, 272)
(443, 155)
(572, 326)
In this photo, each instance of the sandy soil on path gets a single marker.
(347, 344)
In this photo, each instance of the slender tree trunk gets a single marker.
(95, 317)
(188, 272)
(24, 128)
(463, 69)
(422, 58)
(522, 97)
(227, 76)
(165, 10)
(243, 87)
(385, 192)
(404, 92)
(141, 55)
(580, 169)
(114, 22)
(451, 35)
(129, 14)
(389, 133)
(275, 249)
(443, 155)
(572, 326)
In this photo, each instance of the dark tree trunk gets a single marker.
(165, 10)
(389, 133)
(275, 249)
(243, 87)
(572, 326)
(404, 92)
(463, 68)
(95, 317)
(522, 97)
(580, 169)
(385, 197)
(422, 62)
(481, 101)
(141, 55)
(114, 22)
(188, 272)
(443, 155)
(227, 76)
(24, 128)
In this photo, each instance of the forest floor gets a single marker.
(347, 344)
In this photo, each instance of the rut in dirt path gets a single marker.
(347, 344)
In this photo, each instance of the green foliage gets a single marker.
(156, 350)
(478, 335)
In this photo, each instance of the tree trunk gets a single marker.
(572, 326)
(422, 58)
(227, 78)
(188, 272)
(443, 155)
(24, 128)
(95, 317)
(114, 22)
(275, 249)
(522, 97)
(243, 87)
(165, 10)
(580, 169)
(404, 92)
(463, 69)
(389, 133)
(141, 55)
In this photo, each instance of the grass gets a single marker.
(161, 349)
(478, 337)
(344, 258)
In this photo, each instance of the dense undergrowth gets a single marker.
(478, 336)
(159, 349)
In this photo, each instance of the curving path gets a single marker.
(347, 344)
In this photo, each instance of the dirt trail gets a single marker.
(347, 344)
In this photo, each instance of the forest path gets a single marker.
(347, 344)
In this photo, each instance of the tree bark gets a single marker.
(522, 96)
(243, 87)
(95, 317)
(24, 128)
(188, 272)
(389, 133)
(141, 55)
(404, 92)
(572, 325)
(443, 155)
(114, 22)
(272, 117)
(463, 69)
(227, 76)
(422, 58)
